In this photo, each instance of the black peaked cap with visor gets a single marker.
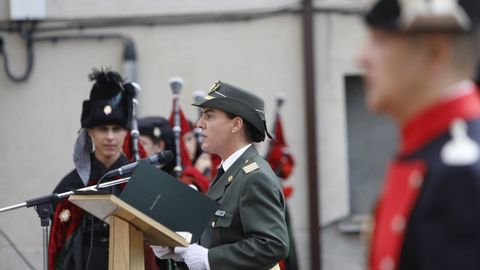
(424, 15)
(156, 128)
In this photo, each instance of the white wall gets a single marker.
(338, 39)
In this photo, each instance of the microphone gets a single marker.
(162, 158)
(198, 96)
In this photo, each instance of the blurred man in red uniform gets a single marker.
(419, 59)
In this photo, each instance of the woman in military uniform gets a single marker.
(249, 231)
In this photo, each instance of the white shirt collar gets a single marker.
(460, 89)
(233, 157)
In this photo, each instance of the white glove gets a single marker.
(166, 253)
(195, 256)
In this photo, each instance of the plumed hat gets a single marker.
(237, 101)
(110, 103)
(422, 15)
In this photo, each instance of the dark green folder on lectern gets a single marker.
(168, 201)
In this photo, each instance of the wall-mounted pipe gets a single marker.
(129, 52)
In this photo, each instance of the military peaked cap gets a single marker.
(157, 128)
(424, 15)
(237, 101)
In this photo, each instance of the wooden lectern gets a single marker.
(128, 229)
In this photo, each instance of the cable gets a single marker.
(91, 244)
(17, 250)
(26, 28)
(26, 31)
(127, 43)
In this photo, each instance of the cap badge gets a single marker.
(107, 109)
(157, 132)
(215, 86)
(433, 13)
(64, 215)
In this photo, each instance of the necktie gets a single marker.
(220, 172)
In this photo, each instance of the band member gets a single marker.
(419, 59)
(199, 172)
(156, 135)
(77, 239)
(249, 232)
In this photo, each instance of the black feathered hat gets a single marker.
(237, 101)
(109, 103)
(424, 16)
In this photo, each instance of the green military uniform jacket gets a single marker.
(249, 231)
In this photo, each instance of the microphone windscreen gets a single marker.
(166, 156)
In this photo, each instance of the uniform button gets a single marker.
(213, 224)
(398, 224)
(415, 179)
(387, 263)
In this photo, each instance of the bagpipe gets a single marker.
(185, 168)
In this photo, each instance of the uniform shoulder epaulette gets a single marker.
(460, 150)
(251, 167)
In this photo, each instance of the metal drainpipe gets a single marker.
(312, 160)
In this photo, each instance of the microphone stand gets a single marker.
(43, 207)
(176, 86)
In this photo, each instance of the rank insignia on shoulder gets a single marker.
(250, 167)
(65, 215)
(461, 150)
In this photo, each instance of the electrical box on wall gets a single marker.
(23, 10)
